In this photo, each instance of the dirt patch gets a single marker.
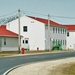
(64, 69)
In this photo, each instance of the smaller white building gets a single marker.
(8, 40)
(70, 36)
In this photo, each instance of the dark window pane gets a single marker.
(26, 41)
(56, 30)
(25, 28)
(4, 41)
(63, 42)
(23, 41)
(53, 30)
(63, 31)
(68, 34)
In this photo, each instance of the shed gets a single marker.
(8, 39)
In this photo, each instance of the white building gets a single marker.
(70, 36)
(35, 33)
(8, 40)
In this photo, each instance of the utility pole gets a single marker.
(49, 32)
(19, 31)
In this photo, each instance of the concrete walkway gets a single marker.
(40, 68)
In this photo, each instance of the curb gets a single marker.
(6, 73)
(37, 53)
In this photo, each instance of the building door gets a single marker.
(25, 43)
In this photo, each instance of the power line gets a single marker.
(33, 13)
(6, 18)
(66, 17)
(26, 12)
(8, 14)
(58, 20)
(63, 17)
(10, 18)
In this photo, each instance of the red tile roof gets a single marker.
(70, 27)
(45, 21)
(5, 32)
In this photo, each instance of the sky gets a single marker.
(61, 8)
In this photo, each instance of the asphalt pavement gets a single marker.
(8, 62)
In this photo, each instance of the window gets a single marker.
(68, 34)
(26, 41)
(63, 31)
(56, 30)
(63, 42)
(53, 29)
(25, 28)
(4, 41)
(23, 41)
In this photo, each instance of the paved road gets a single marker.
(9, 62)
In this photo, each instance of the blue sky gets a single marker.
(65, 8)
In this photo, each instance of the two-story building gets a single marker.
(35, 32)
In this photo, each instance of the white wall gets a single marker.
(56, 36)
(0, 43)
(71, 40)
(35, 33)
(11, 44)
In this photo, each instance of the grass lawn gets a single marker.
(8, 53)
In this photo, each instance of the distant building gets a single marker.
(70, 36)
(35, 33)
(8, 40)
